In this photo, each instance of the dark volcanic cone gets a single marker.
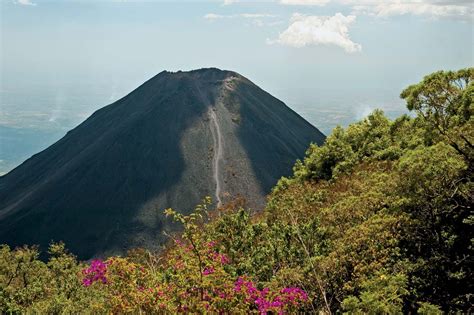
(177, 138)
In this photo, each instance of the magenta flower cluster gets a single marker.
(264, 302)
(208, 271)
(243, 290)
(95, 272)
(217, 257)
(294, 295)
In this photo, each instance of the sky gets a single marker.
(333, 61)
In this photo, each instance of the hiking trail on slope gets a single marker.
(216, 134)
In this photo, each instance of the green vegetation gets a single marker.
(377, 220)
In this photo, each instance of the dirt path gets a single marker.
(216, 134)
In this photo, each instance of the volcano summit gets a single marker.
(175, 139)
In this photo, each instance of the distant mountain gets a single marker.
(177, 138)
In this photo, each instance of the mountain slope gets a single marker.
(175, 139)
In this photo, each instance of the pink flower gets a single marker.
(293, 294)
(265, 300)
(208, 271)
(95, 272)
(224, 259)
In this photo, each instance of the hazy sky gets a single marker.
(282, 45)
(61, 60)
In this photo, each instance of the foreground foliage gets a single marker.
(377, 220)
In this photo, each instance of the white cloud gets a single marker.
(305, 2)
(25, 2)
(435, 8)
(255, 19)
(256, 15)
(385, 8)
(305, 30)
(228, 2)
(212, 16)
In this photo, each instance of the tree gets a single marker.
(444, 100)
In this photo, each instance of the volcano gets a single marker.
(177, 138)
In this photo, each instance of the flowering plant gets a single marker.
(195, 275)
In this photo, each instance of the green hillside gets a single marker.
(377, 220)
